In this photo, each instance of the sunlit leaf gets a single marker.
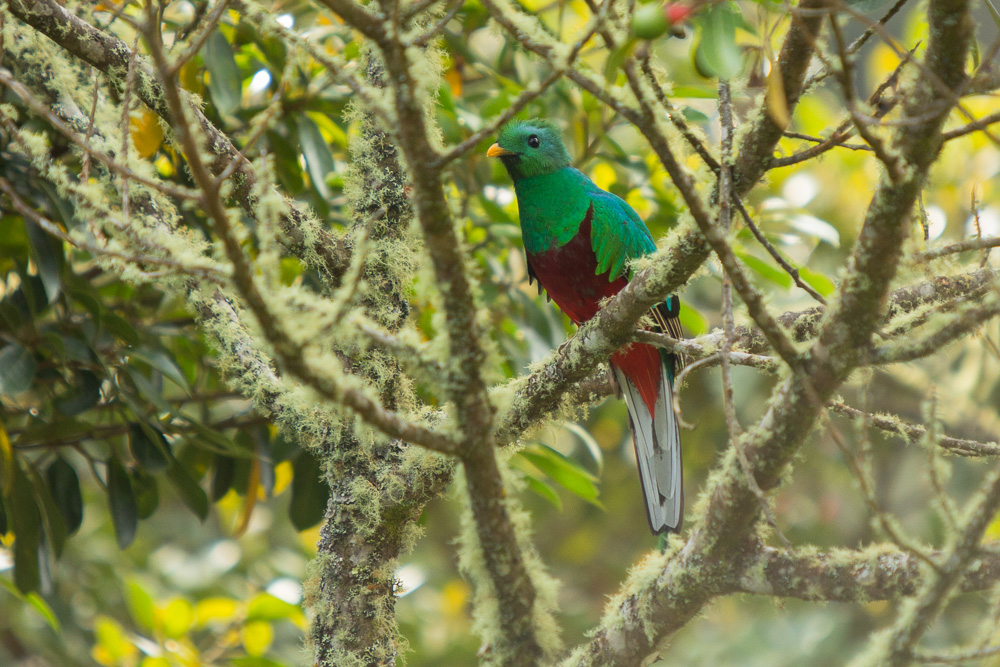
(212, 610)
(146, 132)
(140, 605)
(257, 637)
(266, 607)
(564, 471)
(176, 618)
(766, 270)
(112, 638)
(544, 490)
(817, 281)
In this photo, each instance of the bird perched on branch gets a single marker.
(579, 241)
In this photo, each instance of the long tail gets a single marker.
(645, 378)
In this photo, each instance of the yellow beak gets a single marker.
(496, 150)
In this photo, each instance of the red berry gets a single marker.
(677, 13)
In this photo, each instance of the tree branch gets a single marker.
(877, 573)
(305, 239)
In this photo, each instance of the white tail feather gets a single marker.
(657, 452)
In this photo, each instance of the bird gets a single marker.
(579, 241)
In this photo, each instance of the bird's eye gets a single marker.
(533, 141)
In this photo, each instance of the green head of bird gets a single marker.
(530, 148)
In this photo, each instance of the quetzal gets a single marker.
(579, 240)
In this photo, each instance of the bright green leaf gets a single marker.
(257, 637)
(266, 607)
(817, 281)
(225, 84)
(140, 605)
(564, 471)
(766, 270)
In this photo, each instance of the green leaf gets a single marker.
(65, 488)
(693, 322)
(121, 499)
(146, 389)
(817, 281)
(147, 493)
(17, 369)
(215, 441)
(82, 396)
(49, 259)
(544, 490)
(222, 476)
(3, 518)
(150, 449)
(120, 328)
(27, 524)
(319, 160)
(52, 519)
(190, 491)
(225, 85)
(140, 605)
(766, 270)
(286, 161)
(91, 304)
(164, 363)
(309, 492)
(588, 441)
(35, 602)
(266, 607)
(564, 471)
(717, 53)
(693, 115)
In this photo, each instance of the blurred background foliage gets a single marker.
(159, 521)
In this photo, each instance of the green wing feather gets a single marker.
(618, 234)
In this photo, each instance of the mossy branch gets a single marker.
(850, 575)
(110, 55)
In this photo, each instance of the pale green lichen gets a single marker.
(486, 610)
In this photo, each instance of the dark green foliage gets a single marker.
(65, 488)
(121, 501)
(309, 492)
